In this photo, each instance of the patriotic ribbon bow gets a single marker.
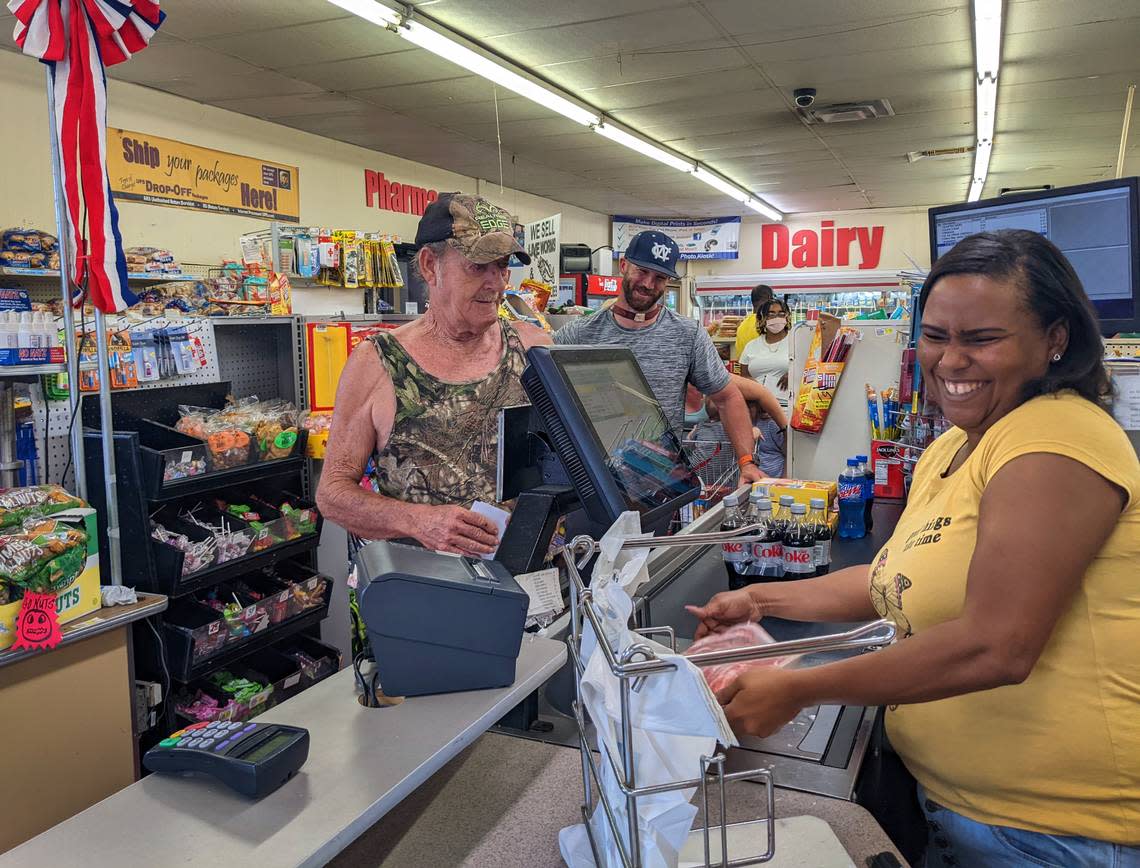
(76, 39)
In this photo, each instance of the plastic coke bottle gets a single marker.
(737, 555)
(752, 570)
(799, 545)
(768, 552)
(868, 490)
(851, 502)
(819, 523)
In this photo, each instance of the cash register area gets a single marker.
(490, 753)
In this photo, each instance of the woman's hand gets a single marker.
(761, 701)
(782, 385)
(456, 530)
(724, 610)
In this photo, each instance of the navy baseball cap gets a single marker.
(655, 251)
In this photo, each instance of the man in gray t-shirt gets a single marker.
(672, 350)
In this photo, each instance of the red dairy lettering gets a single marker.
(371, 186)
(773, 245)
(870, 245)
(826, 231)
(805, 249)
(843, 238)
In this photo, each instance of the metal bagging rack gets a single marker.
(631, 673)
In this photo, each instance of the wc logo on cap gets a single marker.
(655, 251)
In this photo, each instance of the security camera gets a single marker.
(804, 97)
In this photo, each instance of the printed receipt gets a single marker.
(544, 592)
(499, 516)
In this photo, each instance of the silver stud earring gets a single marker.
(1056, 357)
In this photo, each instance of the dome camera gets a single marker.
(804, 97)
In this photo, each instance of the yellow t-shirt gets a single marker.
(1060, 752)
(746, 332)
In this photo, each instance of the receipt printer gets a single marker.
(439, 623)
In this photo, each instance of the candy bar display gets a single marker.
(232, 539)
(201, 706)
(198, 554)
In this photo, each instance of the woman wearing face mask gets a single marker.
(1013, 694)
(766, 358)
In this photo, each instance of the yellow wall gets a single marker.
(331, 172)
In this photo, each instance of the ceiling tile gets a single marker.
(309, 43)
(201, 19)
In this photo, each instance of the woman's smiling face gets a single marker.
(979, 348)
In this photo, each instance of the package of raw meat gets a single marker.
(738, 636)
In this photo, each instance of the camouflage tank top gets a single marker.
(445, 435)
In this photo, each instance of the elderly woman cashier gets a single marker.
(1014, 698)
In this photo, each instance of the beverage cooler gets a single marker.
(842, 293)
(587, 290)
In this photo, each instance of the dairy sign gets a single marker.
(542, 243)
(146, 168)
(828, 246)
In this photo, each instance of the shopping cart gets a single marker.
(715, 464)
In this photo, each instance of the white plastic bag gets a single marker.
(676, 720)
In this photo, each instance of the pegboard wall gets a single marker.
(258, 357)
(54, 417)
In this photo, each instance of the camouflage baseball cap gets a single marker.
(470, 224)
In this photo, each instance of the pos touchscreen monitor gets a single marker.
(610, 433)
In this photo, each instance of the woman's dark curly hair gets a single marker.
(1053, 294)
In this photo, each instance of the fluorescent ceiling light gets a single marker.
(643, 147)
(455, 51)
(369, 10)
(719, 183)
(762, 208)
(987, 60)
(474, 62)
(987, 108)
(987, 36)
(981, 169)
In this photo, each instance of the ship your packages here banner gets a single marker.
(146, 168)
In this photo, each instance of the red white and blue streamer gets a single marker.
(77, 39)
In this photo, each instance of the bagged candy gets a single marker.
(737, 636)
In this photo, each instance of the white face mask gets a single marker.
(776, 325)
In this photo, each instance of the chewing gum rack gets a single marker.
(640, 662)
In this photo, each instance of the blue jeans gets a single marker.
(959, 842)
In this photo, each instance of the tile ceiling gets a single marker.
(711, 78)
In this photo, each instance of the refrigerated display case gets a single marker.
(844, 294)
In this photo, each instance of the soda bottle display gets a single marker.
(752, 570)
(782, 514)
(737, 555)
(851, 483)
(768, 551)
(819, 523)
(868, 490)
(799, 545)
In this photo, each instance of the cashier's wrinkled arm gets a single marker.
(1042, 520)
(362, 422)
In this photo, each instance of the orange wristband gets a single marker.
(747, 459)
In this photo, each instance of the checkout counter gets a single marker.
(420, 784)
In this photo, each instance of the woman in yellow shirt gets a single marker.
(1013, 576)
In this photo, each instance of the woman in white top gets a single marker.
(766, 359)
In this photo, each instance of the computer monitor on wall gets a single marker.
(1097, 226)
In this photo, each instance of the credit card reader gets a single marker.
(252, 758)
